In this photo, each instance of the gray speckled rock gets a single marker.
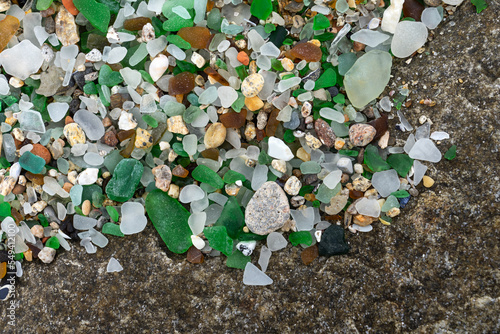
(268, 210)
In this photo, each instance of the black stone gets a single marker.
(334, 91)
(333, 242)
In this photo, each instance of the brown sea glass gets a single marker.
(306, 51)
(216, 76)
(136, 23)
(198, 37)
(234, 119)
(272, 123)
(413, 9)
(182, 83)
(180, 171)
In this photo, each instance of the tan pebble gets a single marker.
(252, 85)
(11, 121)
(215, 135)
(303, 155)
(292, 186)
(306, 109)
(163, 176)
(66, 29)
(287, 64)
(245, 229)
(232, 189)
(253, 103)
(37, 231)
(279, 165)
(74, 134)
(67, 186)
(173, 191)
(339, 143)
(315, 42)
(313, 142)
(143, 139)
(18, 134)
(393, 212)
(175, 124)
(428, 181)
(86, 206)
(250, 131)
(54, 225)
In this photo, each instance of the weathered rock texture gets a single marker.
(436, 269)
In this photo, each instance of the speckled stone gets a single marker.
(252, 85)
(66, 29)
(163, 177)
(268, 210)
(47, 254)
(361, 134)
(143, 139)
(325, 133)
(175, 124)
(74, 134)
(292, 186)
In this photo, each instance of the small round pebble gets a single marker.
(361, 134)
(252, 85)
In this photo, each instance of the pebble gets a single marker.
(279, 165)
(47, 254)
(250, 131)
(333, 242)
(86, 207)
(268, 209)
(175, 124)
(158, 66)
(143, 139)
(303, 155)
(393, 212)
(163, 177)
(252, 85)
(42, 152)
(66, 29)
(292, 186)
(74, 134)
(312, 141)
(246, 247)
(324, 132)
(361, 183)
(37, 231)
(126, 121)
(173, 191)
(215, 135)
(361, 134)
(428, 181)
(337, 203)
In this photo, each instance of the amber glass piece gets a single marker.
(309, 254)
(182, 83)
(3, 269)
(194, 255)
(413, 9)
(117, 100)
(272, 123)
(310, 197)
(334, 217)
(260, 134)
(136, 23)
(216, 76)
(180, 171)
(211, 153)
(125, 134)
(306, 51)
(354, 194)
(35, 178)
(8, 27)
(198, 37)
(16, 215)
(127, 151)
(234, 119)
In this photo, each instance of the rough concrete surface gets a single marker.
(436, 269)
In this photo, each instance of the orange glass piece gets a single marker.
(70, 7)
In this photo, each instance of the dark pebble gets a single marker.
(334, 91)
(333, 242)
